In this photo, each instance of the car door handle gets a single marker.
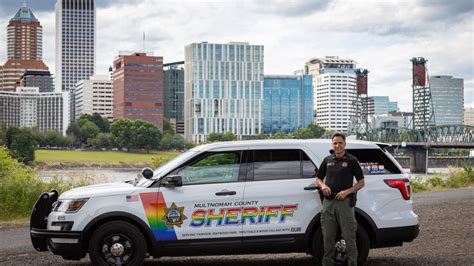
(311, 188)
(225, 193)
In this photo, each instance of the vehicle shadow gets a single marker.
(281, 260)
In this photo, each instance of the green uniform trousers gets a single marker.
(338, 213)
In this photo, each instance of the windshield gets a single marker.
(167, 167)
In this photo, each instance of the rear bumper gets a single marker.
(64, 243)
(395, 236)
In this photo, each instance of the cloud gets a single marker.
(10, 7)
(381, 35)
(291, 8)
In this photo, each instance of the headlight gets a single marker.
(69, 206)
(76, 205)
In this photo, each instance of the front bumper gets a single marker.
(64, 243)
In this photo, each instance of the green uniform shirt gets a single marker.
(340, 172)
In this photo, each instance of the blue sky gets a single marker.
(381, 36)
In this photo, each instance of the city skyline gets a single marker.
(292, 33)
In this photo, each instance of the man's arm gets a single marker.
(326, 190)
(319, 179)
(343, 194)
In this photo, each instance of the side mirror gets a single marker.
(147, 173)
(172, 181)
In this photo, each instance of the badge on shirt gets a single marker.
(330, 164)
(344, 164)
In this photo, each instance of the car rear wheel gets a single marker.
(363, 246)
(117, 243)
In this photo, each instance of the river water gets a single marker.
(99, 175)
(106, 175)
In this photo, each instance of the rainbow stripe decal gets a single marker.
(155, 210)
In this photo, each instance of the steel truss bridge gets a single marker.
(458, 136)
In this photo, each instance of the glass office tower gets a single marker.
(447, 94)
(288, 103)
(223, 89)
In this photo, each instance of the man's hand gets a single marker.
(326, 190)
(342, 194)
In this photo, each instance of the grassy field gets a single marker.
(48, 156)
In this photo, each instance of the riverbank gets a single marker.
(46, 166)
(67, 159)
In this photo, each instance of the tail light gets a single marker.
(402, 184)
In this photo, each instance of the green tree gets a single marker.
(101, 122)
(122, 133)
(228, 136)
(103, 140)
(51, 138)
(73, 131)
(145, 135)
(23, 146)
(303, 133)
(176, 141)
(166, 142)
(318, 132)
(167, 128)
(11, 132)
(279, 135)
(88, 130)
(3, 134)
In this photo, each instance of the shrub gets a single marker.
(418, 184)
(20, 187)
(435, 181)
(158, 161)
(460, 178)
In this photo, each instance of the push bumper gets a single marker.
(61, 242)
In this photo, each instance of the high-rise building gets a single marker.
(138, 88)
(287, 103)
(75, 42)
(173, 92)
(469, 116)
(382, 105)
(38, 78)
(25, 36)
(223, 89)
(447, 94)
(334, 88)
(94, 95)
(12, 71)
(27, 107)
(24, 46)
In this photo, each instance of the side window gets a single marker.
(374, 162)
(214, 168)
(309, 169)
(282, 164)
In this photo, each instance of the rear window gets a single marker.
(282, 164)
(374, 162)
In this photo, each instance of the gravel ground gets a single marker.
(446, 238)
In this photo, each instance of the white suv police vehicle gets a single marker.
(236, 197)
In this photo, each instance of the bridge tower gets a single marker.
(423, 114)
(359, 122)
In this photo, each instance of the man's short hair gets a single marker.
(339, 134)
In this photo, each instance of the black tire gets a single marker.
(363, 246)
(122, 235)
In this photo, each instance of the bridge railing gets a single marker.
(437, 134)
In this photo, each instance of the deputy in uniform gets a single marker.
(338, 171)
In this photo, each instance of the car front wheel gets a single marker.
(117, 243)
